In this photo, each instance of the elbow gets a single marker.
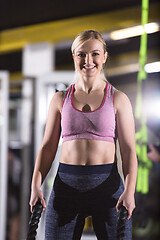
(48, 148)
(129, 157)
(127, 151)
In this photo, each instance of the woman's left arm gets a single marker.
(126, 138)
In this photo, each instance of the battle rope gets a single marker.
(121, 223)
(34, 220)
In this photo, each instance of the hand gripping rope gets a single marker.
(34, 220)
(37, 211)
(121, 223)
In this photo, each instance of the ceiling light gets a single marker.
(150, 108)
(134, 31)
(152, 67)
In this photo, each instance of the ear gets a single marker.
(73, 55)
(105, 57)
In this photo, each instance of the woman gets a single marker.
(87, 182)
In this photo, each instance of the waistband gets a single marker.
(87, 169)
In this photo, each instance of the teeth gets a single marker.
(89, 67)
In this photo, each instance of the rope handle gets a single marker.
(123, 214)
(34, 220)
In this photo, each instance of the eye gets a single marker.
(95, 54)
(81, 55)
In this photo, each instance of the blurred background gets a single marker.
(36, 61)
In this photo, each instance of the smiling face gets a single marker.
(89, 58)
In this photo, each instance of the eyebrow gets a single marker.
(91, 51)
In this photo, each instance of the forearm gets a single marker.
(129, 164)
(43, 164)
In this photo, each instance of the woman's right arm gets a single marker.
(47, 150)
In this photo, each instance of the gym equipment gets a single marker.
(34, 220)
(123, 213)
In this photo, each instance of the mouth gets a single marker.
(89, 67)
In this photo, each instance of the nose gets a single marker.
(88, 59)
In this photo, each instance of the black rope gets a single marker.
(34, 220)
(121, 223)
(37, 211)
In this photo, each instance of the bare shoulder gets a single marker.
(57, 100)
(121, 100)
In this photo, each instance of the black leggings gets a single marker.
(81, 191)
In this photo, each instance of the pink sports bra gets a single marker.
(98, 124)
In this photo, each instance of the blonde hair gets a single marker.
(81, 38)
(86, 35)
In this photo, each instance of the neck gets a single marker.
(89, 84)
